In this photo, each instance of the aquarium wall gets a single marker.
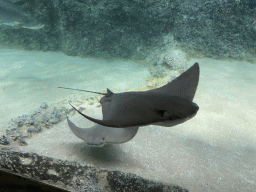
(136, 29)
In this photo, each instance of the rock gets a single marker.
(44, 105)
(34, 129)
(14, 137)
(175, 60)
(13, 133)
(23, 120)
(73, 176)
(44, 117)
(21, 141)
(53, 115)
(4, 140)
(157, 71)
(81, 108)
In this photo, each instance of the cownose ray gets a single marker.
(123, 113)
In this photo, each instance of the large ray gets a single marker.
(123, 113)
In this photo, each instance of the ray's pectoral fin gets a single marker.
(107, 123)
(99, 135)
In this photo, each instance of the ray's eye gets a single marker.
(162, 113)
(166, 115)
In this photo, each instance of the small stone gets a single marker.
(150, 85)
(29, 121)
(91, 103)
(44, 105)
(53, 116)
(19, 122)
(8, 131)
(82, 108)
(33, 129)
(12, 131)
(22, 142)
(4, 140)
(14, 138)
(54, 121)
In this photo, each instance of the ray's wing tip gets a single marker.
(96, 145)
(195, 65)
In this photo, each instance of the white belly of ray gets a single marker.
(99, 135)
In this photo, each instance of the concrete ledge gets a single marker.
(72, 176)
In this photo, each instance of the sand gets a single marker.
(29, 78)
(214, 151)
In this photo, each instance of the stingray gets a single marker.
(123, 113)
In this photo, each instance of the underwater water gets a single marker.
(157, 45)
(30, 78)
(214, 151)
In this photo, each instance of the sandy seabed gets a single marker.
(214, 151)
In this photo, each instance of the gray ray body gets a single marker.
(124, 113)
(10, 14)
(99, 135)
